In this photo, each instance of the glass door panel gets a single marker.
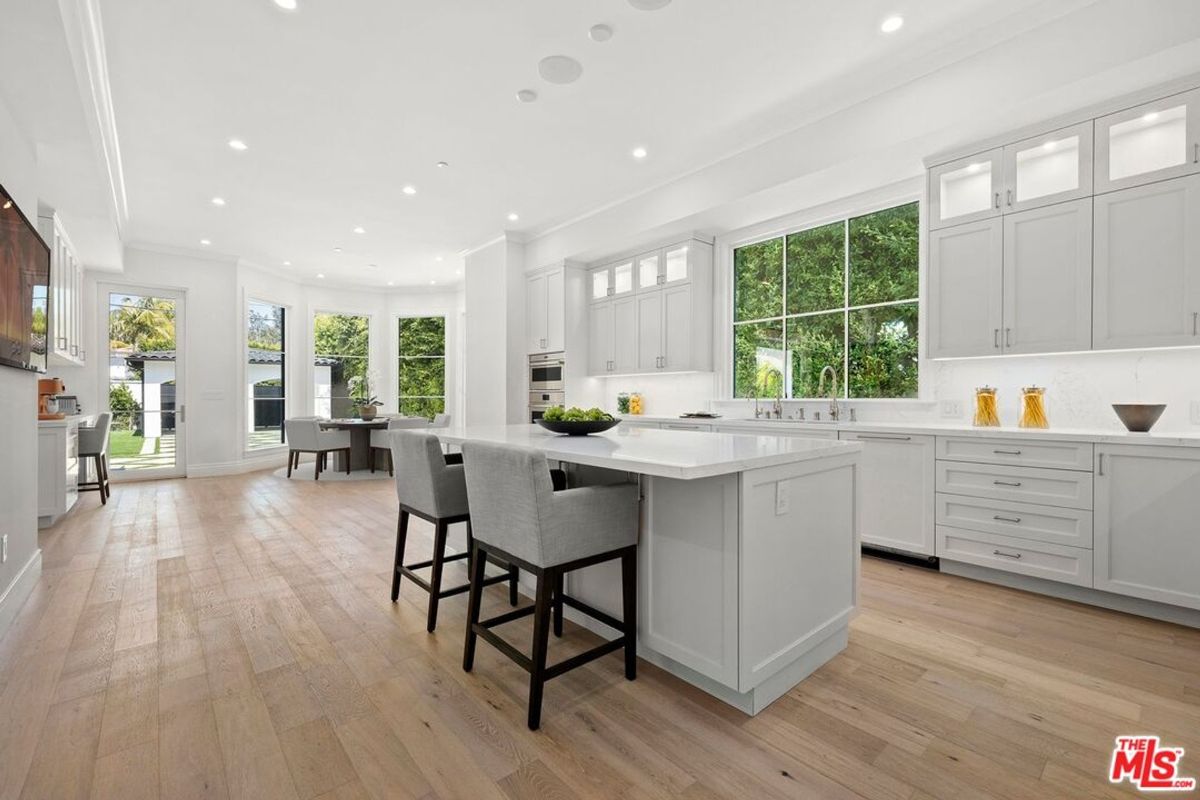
(675, 266)
(648, 271)
(623, 278)
(965, 190)
(600, 284)
(145, 392)
(1050, 168)
(1150, 142)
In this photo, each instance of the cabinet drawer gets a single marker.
(1054, 487)
(1019, 452)
(1066, 526)
(1038, 559)
(686, 426)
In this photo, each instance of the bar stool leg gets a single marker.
(291, 460)
(513, 573)
(401, 539)
(435, 579)
(104, 464)
(100, 480)
(629, 615)
(347, 451)
(541, 641)
(558, 605)
(474, 601)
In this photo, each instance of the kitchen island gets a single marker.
(748, 555)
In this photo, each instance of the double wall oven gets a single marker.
(546, 383)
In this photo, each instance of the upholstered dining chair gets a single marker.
(304, 435)
(440, 421)
(382, 439)
(93, 444)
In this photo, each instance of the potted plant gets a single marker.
(360, 393)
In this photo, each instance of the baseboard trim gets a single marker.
(18, 591)
(273, 461)
(1078, 594)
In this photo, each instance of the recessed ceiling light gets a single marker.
(649, 5)
(513, 217)
(205, 242)
(372, 266)
(286, 5)
(458, 272)
(892, 24)
(559, 69)
(239, 145)
(640, 152)
(218, 201)
(433, 283)
(1153, 115)
(287, 263)
(391, 283)
(337, 249)
(527, 95)
(1050, 145)
(359, 229)
(320, 274)
(409, 190)
(600, 33)
(442, 164)
(974, 167)
(437, 258)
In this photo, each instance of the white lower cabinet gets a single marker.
(1147, 539)
(1023, 556)
(896, 501)
(58, 468)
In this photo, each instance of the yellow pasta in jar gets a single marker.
(1033, 408)
(986, 413)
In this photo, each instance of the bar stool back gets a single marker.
(93, 444)
(519, 518)
(382, 439)
(433, 490)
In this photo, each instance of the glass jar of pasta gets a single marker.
(1033, 407)
(986, 413)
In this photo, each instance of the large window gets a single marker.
(842, 295)
(341, 343)
(421, 375)
(266, 375)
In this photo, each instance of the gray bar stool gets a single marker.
(519, 518)
(429, 487)
(93, 444)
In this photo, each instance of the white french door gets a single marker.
(142, 380)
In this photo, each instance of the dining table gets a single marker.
(361, 455)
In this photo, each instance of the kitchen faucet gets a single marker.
(778, 408)
(834, 411)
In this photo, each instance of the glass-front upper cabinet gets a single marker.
(675, 266)
(649, 270)
(615, 279)
(1149, 142)
(1049, 168)
(966, 190)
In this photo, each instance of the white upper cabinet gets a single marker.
(649, 271)
(1049, 168)
(625, 335)
(966, 190)
(1048, 279)
(611, 281)
(65, 323)
(600, 339)
(676, 266)
(545, 311)
(650, 331)
(1147, 266)
(965, 289)
(1149, 142)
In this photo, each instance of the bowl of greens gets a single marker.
(576, 421)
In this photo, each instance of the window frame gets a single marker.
(780, 228)
(285, 364)
(314, 355)
(398, 319)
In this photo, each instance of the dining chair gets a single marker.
(381, 439)
(304, 435)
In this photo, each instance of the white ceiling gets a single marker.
(343, 103)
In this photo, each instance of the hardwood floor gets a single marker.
(233, 637)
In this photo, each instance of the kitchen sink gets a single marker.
(798, 421)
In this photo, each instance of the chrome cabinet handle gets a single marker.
(1013, 520)
(74, 349)
(1195, 322)
(1006, 483)
(1007, 452)
(1008, 197)
(1008, 337)
(609, 291)
(1006, 555)
(661, 279)
(996, 338)
(1196, 153)
(997, 199)
(885, 438)
(1100, 471)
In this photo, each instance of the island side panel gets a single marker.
(799, 564)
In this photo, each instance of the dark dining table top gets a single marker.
(378, 423)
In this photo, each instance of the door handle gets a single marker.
(1013, 520)
(1006, 555)
(997, 199)
(1100, 471)
(182, 415)
(1008, 197)
(1006, 483)
(996, 338)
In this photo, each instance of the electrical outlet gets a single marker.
(783, 499)
(1196, 412)
(951, 409)
(3, 548)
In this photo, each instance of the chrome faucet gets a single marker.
(834, 412)
(778, 406)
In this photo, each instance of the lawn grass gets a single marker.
(124, 444)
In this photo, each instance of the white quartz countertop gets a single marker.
(948, 428)
(664, 454)
(65, 421)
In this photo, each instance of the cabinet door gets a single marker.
(1048, 279)
(649, 331)
(677, 328)
(625, 335)
(965, 289)
(555, 311)
(77, 311)
(599, 284)
(1149, 142)
(600, 338)
(649, 271)
(622, 278)
(1147, 504)
(1047, 169)
(965, 190)
(536, 298)
(1147, 266)
(896, 502)
(676, 265)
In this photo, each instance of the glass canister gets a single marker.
(636, 404)
(986, 413)
(1033, 407)
(623, 403)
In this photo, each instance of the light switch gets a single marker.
(951, 409)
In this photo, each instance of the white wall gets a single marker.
(494, 346)
(18, 403)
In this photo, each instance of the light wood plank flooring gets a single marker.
(233, 638)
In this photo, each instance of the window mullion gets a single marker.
(846, 309)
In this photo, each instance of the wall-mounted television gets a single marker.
(24, 290)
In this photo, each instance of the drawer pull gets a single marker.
(1007, 483)
(1006, 555)
(1007, 452)
(885, 438)
(1013, 520)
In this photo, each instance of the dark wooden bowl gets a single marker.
(578, 428)
(1139, 417)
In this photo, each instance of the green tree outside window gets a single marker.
(421, 372)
